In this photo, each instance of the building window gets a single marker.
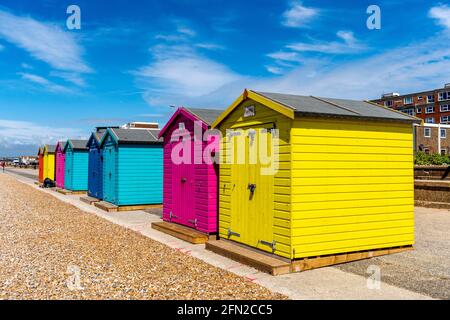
(444, 96)
(419, 98)
(426, 150)
(430, 98)
(444, 119)
(408, 100)
(429, 109)
(445, 107)
(443, 152)
(419, 110)
(388, 103)
(429, 120)
(443, 133)
(427, 132)
(409, 112)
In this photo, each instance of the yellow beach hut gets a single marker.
(341, 178)
(49, 162)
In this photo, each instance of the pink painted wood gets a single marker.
(190, 190)
(60, 164)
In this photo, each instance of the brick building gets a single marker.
(432, 138)
(432, 106)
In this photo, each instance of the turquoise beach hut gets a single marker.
(132, 167)
(76, 166)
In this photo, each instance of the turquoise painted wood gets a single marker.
(76, 170)
(132, 173)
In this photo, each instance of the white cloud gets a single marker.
(347, 46)
(209, 46)
(180, 70)
(28, 133)
(441, 14)
(45, 83)
(44, 41)
(298, 15)
(26, 66)
(70, 77)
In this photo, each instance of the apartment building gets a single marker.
(432, 138)
(432, 106)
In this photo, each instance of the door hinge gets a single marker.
(272, 244)
(231, 233)
(194, 222)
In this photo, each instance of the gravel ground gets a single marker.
(27, 173)
(426, 269)
(43, 242)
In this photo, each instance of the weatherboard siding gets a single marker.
(60, 167)
(352, 186)
(76, 170)
(202, 206)
(139, 175)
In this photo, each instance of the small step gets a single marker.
(181, 232)
(106, 206)
(258, 260)
(89, 200)
(64, 191)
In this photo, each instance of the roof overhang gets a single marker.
(181, 111)
(249, 94)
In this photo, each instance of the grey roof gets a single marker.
(207, 115)
(309, 105)
(144, 136)
(79, 144)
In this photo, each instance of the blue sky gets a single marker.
(131, 62)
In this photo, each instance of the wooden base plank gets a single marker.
(89, 200)
(106, 206)
(258, 260)
(181, 232)
(109, 207)
(277, 266)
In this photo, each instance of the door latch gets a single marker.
(171, 216)
(252, 188)
(231, 233)
(272, 244)
(183, 180)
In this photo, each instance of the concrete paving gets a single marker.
(325, 283)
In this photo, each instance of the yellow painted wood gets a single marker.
(262, 217)
(352, 185)
(49, 165)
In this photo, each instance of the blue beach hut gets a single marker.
(132, 167)
(95, 171)
(76, 167)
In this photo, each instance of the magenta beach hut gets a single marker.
(190, 181)
(60, 164)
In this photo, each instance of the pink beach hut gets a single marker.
(190, 175)
(60, 164)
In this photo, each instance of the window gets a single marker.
(430, 98)
(443, 152)
(429, 120)
(408, 100)
(429, 109)
(419, 98)
(445, 107)
(409, 111)
(445, 119)
(419, 110)
(443, 133)
(426, 150)
(427, 132)
(388, 103)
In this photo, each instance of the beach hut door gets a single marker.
(183, 183)
(253, 194)
(110, 171)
